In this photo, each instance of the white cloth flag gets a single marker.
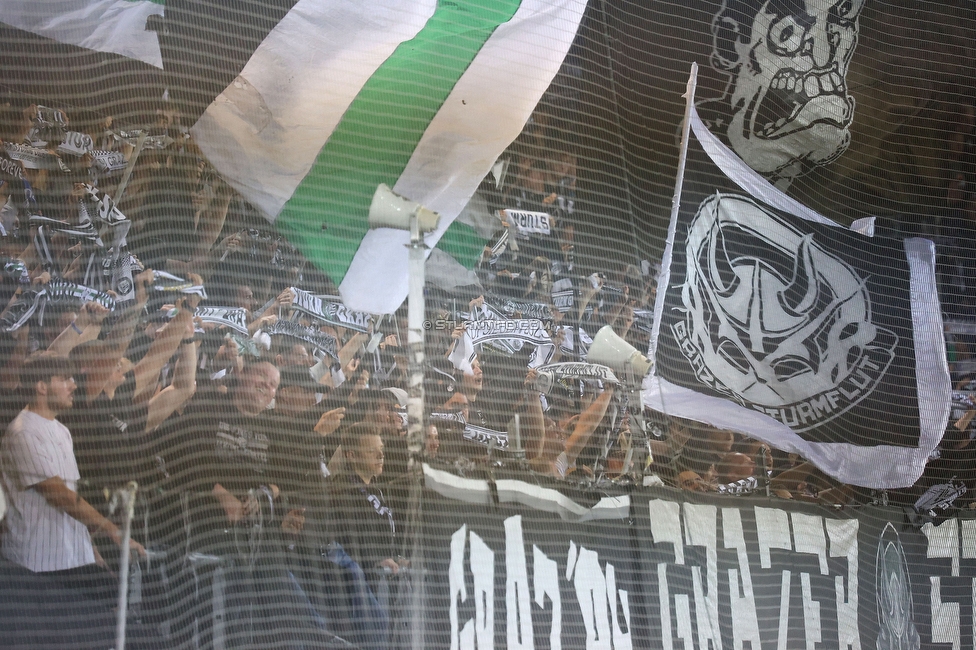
(344, 95)
(114, 26)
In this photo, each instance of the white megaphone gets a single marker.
(610, 350)
(390, 210)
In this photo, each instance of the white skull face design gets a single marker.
(789, 101)
(776, 318)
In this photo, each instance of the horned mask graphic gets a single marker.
(776, 317)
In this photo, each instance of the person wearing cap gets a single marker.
(49, 526)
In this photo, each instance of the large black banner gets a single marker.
(777, 322)
(534, 567)
(520, 565)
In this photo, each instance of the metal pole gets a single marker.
(415, 341)
(128, 496)
(664, 278)
(415, 422)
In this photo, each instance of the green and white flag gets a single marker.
(114, 26)
(344, 95)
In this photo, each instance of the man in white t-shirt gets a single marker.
(48, 526)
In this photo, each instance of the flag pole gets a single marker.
(664, 277)
(127, 496)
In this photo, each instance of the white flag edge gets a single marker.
(493, 100)
(112, 26)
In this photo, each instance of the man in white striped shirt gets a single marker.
(48, 526)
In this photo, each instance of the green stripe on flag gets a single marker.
(379, 131)
(463, 243)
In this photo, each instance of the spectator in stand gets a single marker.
(305, 442)
(226, 454)
(367, 528)
(806, 483)
(469, 385)
(380, 409)
(226, 444)
(432, 444)
(219, 448)
(552, 447)
(692, 482)
(49, 526)
(562, 180)
(703, 449)
(288, 352)
(530, 193)
(734, 467)
(306, 439)
(121, 403)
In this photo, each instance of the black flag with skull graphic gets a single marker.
(779, 323)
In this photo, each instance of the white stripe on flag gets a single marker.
(483, 114)
(265, 130)
(114, 26)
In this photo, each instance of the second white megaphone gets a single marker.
(610, 350)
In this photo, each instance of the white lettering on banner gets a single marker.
(745, 619)
(593, 593)
(346, 316)
(666, 527)
(969, 539)
(809, 538)
(455, 575)
(10, 168)
(945, 617)
(664, 596)
(842, 534)
(308, 302)
(784, 611)
(517, 607)
(329, 309)
(546, 575)
(773, 527)
(621, 641)
(483, 568)
(682, 608)
(76, 143)
(563, 294)
(701, 530)
(943, 542)
(695, 525)
(529, 222)
(605, 609)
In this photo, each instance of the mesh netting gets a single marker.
(689, 363)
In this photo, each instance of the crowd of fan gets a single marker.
(187, 347)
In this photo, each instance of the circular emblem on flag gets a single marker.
(775, 320)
